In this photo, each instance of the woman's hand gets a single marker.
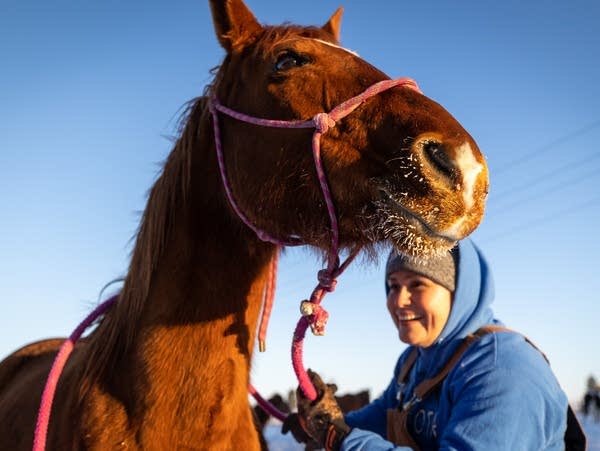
(322, 418)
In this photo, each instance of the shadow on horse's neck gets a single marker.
(194, 287)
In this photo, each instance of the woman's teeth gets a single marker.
(407, 317)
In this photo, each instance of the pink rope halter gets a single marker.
(313, 314)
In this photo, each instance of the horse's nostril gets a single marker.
(438, 156)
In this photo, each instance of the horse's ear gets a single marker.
(334, 23)
(235, 24)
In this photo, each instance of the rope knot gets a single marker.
(323, 122)
(326, 280)
(316, 315)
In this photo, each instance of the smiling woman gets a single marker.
(464, 382)
(419, 296)
(398, 169)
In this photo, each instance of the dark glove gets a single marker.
(322, 418)
(292, 424)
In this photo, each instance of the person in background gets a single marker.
(591, 398)
(464, 381)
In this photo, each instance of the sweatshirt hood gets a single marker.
(471, 307)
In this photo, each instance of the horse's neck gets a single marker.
(197, 330)
(189, 344)
(210, 269)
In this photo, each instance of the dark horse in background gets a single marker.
(168, 366)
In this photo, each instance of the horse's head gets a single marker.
(400, 167)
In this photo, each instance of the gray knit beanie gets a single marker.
(442, 269)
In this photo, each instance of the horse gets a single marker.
(353, 401)
(168, 365)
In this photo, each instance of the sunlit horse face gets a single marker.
(400, 167)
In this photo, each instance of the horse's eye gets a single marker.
(289, 60)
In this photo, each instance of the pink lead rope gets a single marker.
(41, 425)
(313, 314)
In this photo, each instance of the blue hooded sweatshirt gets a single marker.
(501, 395)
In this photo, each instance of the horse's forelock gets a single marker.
(273, 36)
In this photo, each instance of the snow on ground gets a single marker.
(280, 442)
(591, 427)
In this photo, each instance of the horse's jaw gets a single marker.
(407, 230)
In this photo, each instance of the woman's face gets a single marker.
(418, 306)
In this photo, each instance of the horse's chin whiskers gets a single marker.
(388, 224)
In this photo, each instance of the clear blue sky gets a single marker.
(89, 91)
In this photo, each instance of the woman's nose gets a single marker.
(401, 297)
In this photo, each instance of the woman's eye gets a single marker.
(417, 284)
(288, 61)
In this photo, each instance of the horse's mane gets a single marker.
(114, 334)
